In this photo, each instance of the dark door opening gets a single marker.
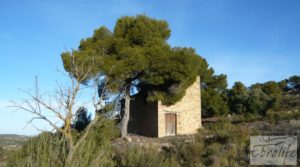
(170, 124)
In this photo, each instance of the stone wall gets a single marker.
(188, 112)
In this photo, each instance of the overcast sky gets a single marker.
(249, 40)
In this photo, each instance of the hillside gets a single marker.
(8, 144)
(11, 141)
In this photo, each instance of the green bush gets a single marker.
(221, 144)
(96, 150)
(50, 149)
(273, 117)
(289, 102)
(276, 116)
(138, 156)
(44, 150)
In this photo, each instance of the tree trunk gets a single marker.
(69, 158)
(72, 148)
(125, 120)
(71, 151)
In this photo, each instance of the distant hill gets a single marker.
(12, 141)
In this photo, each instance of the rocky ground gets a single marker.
(134, 139)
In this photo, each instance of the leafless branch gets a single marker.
(61, 103)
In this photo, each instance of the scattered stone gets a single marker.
(127, 139)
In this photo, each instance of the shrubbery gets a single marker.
(136, 156)
(256, 99)
(44, 150)
(219, 145)
(49, 149)
(275, 117)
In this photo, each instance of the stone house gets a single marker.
(156, 120)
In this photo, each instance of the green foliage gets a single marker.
(142, 30)
(258, 102)
(275, 116)
(42, 151)
(2, 154)
(221, 144)
(168, 81)
(50, 149)
(136, 54)
(273, 90)
(213, 103)
(238, 98)
(294, 82)
(82, 119)
(290, 102)
(228, 145)
(136, 156)
(96, 150)
(213, 95)
(249, 117)
(283, 84)
(255, 100)
(290, 84)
